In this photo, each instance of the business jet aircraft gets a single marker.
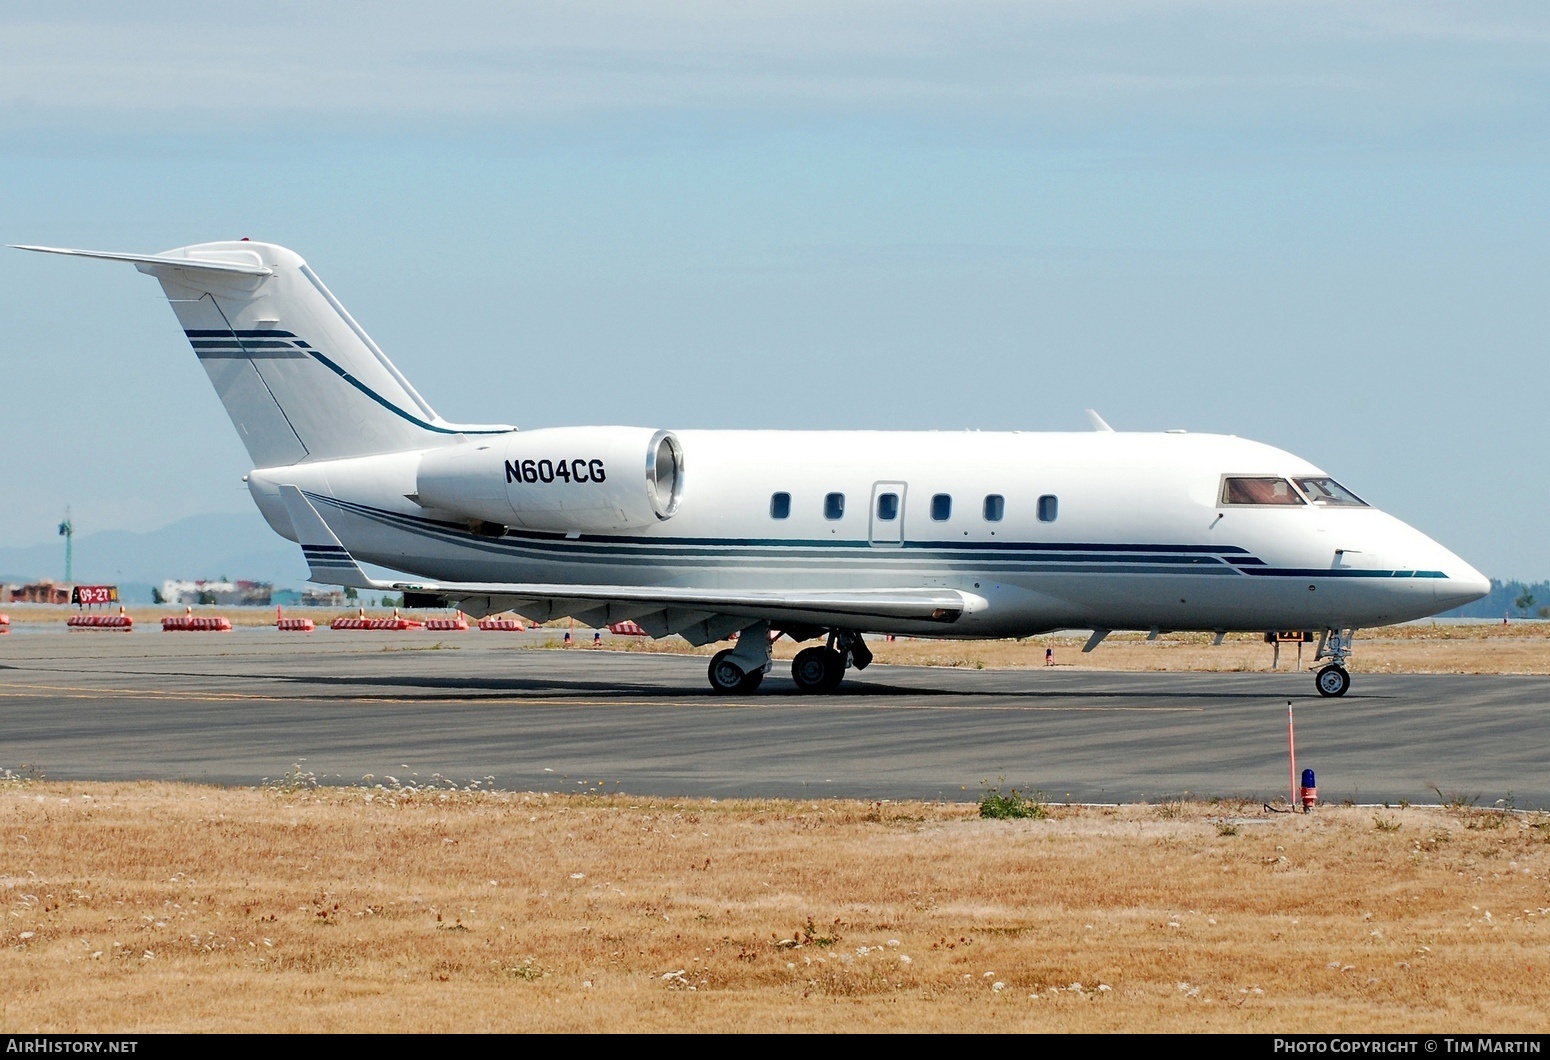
(815, 535)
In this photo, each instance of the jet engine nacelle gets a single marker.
(586, 479)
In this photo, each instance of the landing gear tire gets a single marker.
(818, 669)
(727, 676)
(1332, 680)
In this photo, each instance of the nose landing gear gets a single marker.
(1335, 645)
(1332, 680)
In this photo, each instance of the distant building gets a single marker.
(228, 594)
(309, 597)
(43, 592)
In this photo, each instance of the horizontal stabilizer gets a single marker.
(244, 268)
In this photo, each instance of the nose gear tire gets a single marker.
(1332, 681)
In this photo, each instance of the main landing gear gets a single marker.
(818, 669)
(742, 669)
(1334, 645)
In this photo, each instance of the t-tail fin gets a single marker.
(299, 377)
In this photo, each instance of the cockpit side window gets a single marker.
(1329, 493)
(1259, 489)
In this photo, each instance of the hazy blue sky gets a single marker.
(1320, 225)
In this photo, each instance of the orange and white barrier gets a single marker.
(457, 624)
(196, 624)
(627, 629)
(120, 621)
(373, 623)
(495, 624)
(291, 625)
(360, 621)
(5, 623)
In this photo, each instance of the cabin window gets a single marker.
(1049, 508)
(834, 505)
(1259, 489)
(1328, 492)
(995, 508)
(780, 505)
(887, 506)
(941, 507)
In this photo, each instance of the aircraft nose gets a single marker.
(1463, 585)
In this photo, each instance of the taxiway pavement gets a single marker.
(247, 706)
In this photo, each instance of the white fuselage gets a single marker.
(709, 533)
(1139, 538)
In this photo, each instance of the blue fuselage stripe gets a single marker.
(1029, 557)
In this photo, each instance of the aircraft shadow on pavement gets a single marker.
(474, 689)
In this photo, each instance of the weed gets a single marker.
(1455, 800)
(883, 813)
(1487, 819)
(808, 934)
(294, 779)
(1385, 824)
(1012, 803)
(1226, 828)
(528, 971)
(21, 774)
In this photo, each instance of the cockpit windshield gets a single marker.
(1327, 491)
(1259, 489)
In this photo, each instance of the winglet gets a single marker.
(1098, 422)
(329, 561)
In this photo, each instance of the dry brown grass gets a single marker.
(145, 907)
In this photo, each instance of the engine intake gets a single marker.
(585, 479)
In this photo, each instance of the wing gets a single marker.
(698, 615)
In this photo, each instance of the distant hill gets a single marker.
(201, 546)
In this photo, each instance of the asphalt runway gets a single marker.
(243, 707)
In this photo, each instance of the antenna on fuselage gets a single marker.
(1098, 422)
